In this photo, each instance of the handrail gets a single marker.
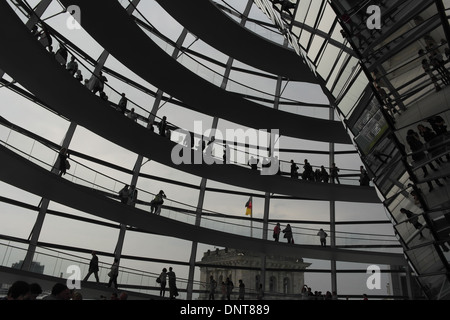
(216, 142)
(168, 210)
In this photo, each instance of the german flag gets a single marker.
(249, 207)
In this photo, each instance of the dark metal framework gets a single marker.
(392, 94)
(375, 82)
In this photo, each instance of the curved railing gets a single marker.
(46, 155)
(349, 176)
(194, 65)
(56, 263)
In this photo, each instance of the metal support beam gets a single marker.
(36, 231)
(332, 218)
(444, 18)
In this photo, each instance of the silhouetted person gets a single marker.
(324, 176)
(18, 290)
(45, 39)
(163, 282)
(173, 290)
(334, 173)
(99, 83)
(317, 175)
(61, 55)
(364, 179)
(276, 232)
(429, 137)
(72, 66)
(307, 171)
(426, 133)
(437, 61)
(241, 290)
(93, 268)
(323, 237)
(427, 68)
(226, 154)
(60, 291)
(387, 101)
(79, 76)
(230, 287)
(438, 125)
(288, 233)
(417, 148)
(63, 161)
(124, 194)
(212, 288)
(162, 126)
(294, 170)
(418, 154)
(157, 202)
(35, 291)
(122, 105)
(113, 274)
(132, 115)
(133, 194)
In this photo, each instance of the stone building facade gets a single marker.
(284, 279)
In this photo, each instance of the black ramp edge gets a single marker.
(123, 39)
(23, 174)
(205, 20)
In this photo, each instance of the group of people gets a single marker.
(96, 83)
(61, 55)
(22, 290)
(162, 125)
(226, 289)
(227, 286)
(318, 175)
(128, 194)
(113, 273)
(168, 277)
(288, 234)
(308, 294)
(434, 64)
(427, 152)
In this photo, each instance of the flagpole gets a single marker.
(251, 218)
(249, 206)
